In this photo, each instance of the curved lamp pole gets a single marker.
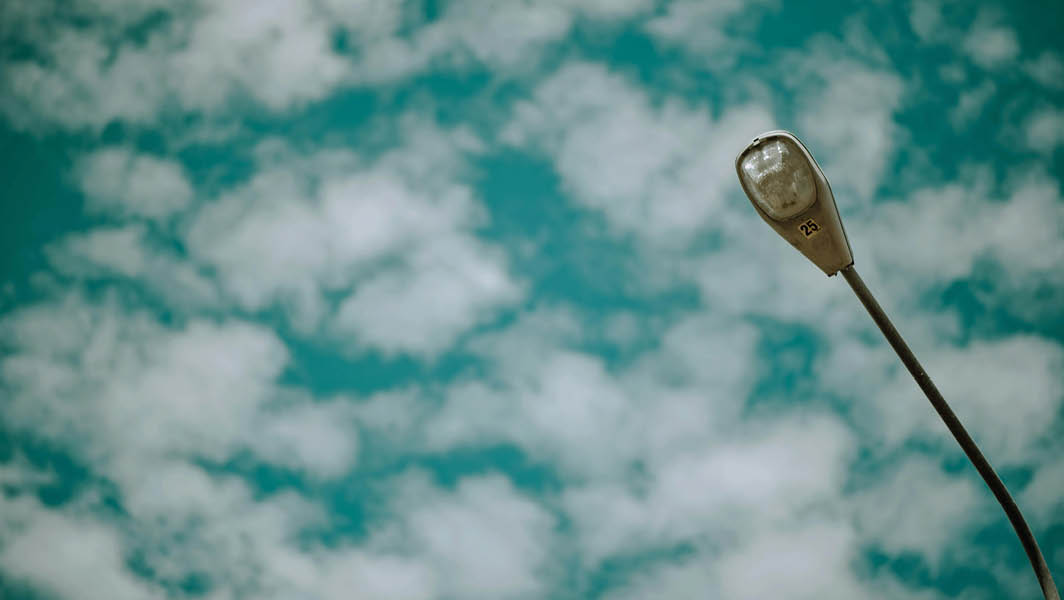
(790, 192)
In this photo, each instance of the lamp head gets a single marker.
(790, 192)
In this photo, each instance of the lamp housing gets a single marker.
(790, 192)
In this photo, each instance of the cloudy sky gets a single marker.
(461, 299)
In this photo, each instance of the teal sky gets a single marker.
(462, 300)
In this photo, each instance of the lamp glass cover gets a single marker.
(778, 177)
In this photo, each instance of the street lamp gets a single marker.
(790, 192)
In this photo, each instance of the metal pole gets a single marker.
(1030, 545)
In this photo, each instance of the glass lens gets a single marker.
(779, 178)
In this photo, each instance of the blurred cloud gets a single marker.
(991, 46)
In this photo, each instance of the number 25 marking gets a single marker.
(809, 228)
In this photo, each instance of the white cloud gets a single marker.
(846, 114)
(812, 561)
(971, 104)
(766, 474)
(925, 17)
(281, 54)
(756, 478)
(369, 19)
(940, 234)
(505, 34)
(201, 57)
(987, 42)
(70, 557)
(659, 172)
(1044, 130)
(278, 52)
(132, 252)
(919, 508)
(975, 380)
(607, 9)
(698, 26)
(176, 491)
(184, 391)
(18, 473)
(1041, 498)
(317, 438)
(143, 406)
(143, 403)
(100, 382)
(119, 181)
(421, 307)
(484, 540)
(82, 89)
(376, 577)
(953, 73)
(394, 239)
(214, 527)
(563, 405)
(202, 385)
(1047, 70)
(568, 410)
(507, 37)
(274, 239)
(393, 420)
(689, 580)
(118, 249)
(991, 46)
